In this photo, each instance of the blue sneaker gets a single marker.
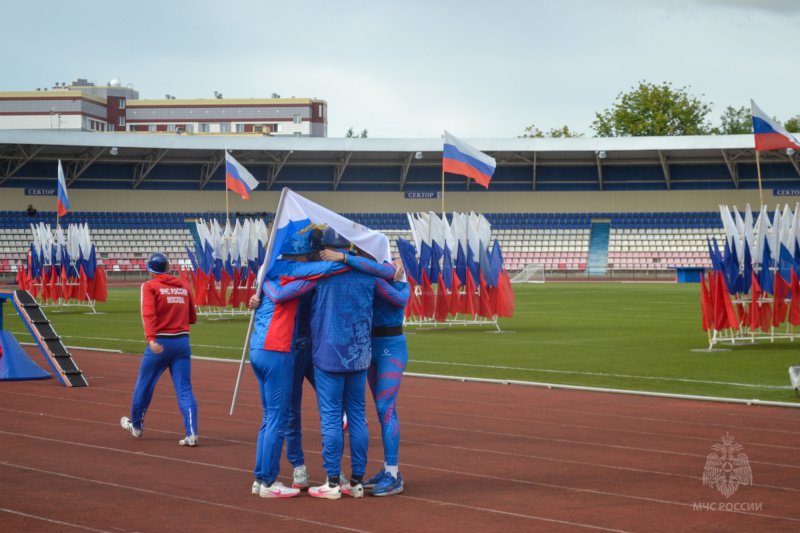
(371, 482)
(388, 486)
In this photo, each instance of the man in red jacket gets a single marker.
(167, 311)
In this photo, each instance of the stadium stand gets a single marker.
(559, 241)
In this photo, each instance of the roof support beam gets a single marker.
(10, 169)
(76, 168)
(141, 170)
(599, 162)
(733, 168)
(274, 170)
(665, 167)
(404, 170)
(793, 161)
(533, 165)
(208, 169)
(339, 171)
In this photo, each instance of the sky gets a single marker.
(415, 68)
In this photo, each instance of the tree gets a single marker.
(532, 131)
(650, 110)
(350, 133)
(793, 124)
(735, 121)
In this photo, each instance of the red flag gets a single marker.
(455, 299)
(779, 300)
(100, 285)
(66, 291)
(706, 306)
(484, 302)
(755, 311)
(413, 306)
(470, 300)
(80, 293)
(509, 293)
(185, 278)
(724, 313)
(236, 293)
(22, 279)
(794, 307)
(223, 288)
(427, 298)
(202, 288)
(45, 284)
(55, 287)
(212, 295)
(441, 301)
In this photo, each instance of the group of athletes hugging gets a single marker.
(328, 313)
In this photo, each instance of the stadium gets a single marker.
(610, 211)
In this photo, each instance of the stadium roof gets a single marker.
(196, 161)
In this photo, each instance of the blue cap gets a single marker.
(296, 244)
(333, 238)
(158, 263)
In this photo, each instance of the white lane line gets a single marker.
(600, 374)
(50, 520)
(326, 525)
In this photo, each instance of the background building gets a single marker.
(84, 106)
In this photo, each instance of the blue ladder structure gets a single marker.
(598, 249)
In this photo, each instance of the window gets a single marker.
(109, 127)
(297, 119)
(321, 111)
(121, 121)
(170, 127)
(240, 128)
(276, 128)
(122, 103)
(151, 127)
(225, 127)
(190, 128)
(205, 128)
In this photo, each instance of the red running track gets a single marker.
(474, 456)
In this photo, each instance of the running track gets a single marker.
(475, 457)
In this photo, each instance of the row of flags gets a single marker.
(454, 255)
(225, 258)
(62, 267)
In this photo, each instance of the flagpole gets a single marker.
(262, 273)
(758, 167)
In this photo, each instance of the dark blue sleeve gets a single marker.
(396, 294)
(368, 266)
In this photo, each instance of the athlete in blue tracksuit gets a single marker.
(167, 312)
(272, 361)
(389, 360)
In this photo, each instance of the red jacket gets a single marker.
(167, 307)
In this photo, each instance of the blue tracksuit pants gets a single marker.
(303, 369)
(274, 371)
(177, 356)
(335, 391)
(389, 360)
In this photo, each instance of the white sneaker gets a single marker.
(300, 478)
(256, 487)
(191, 440)
(277, 490)
(128, 425)
(356, 491)
(327, 491)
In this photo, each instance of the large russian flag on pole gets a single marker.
(769, 134)
(461, 158)
(237, 178)
(63, 201)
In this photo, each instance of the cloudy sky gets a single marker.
(415, 68)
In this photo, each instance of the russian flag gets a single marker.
(63, 201)
(296, 213)
(237, 178)
(461, 158)
(769, 134)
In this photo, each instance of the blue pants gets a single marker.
(274, 373)
(389, 360)
(335, 390)
(303, 369)
(177, 356)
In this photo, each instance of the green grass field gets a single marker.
(632, 336)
